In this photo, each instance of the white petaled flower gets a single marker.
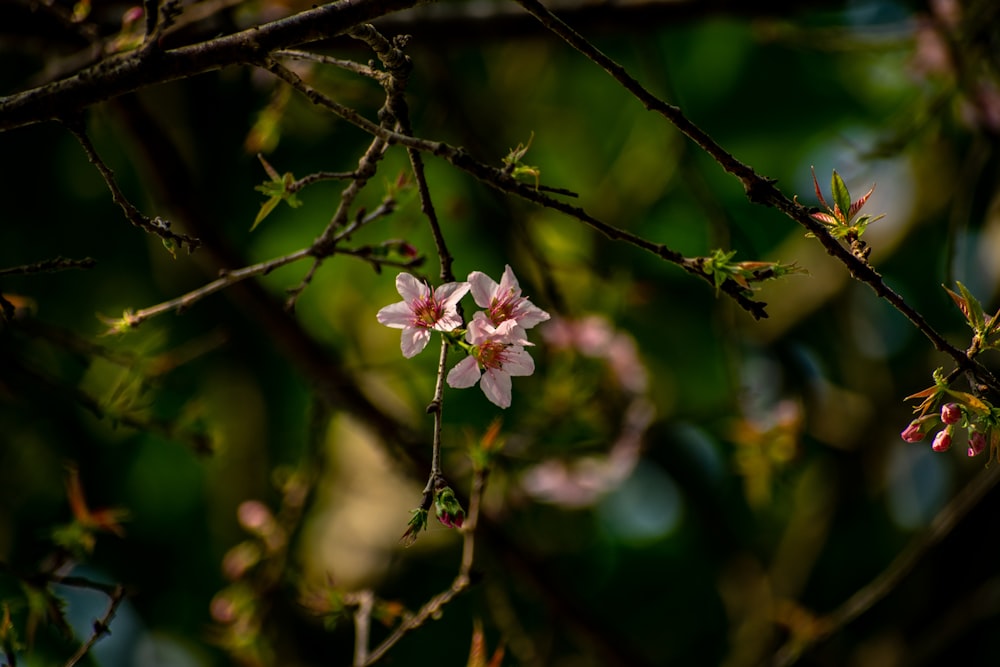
(497, 354)
(504, 301)
(421, 311)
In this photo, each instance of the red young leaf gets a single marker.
(825, 218)
(962, 304)
(856, 206)
(819, 193)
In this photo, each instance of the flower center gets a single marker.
(502, 309)
(491, 354)
(427, 312)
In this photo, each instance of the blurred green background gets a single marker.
(680, 484)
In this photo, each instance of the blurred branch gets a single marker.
(865, 598)
(362, 625)
(199, 442)
(102, 626)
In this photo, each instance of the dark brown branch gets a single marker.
(49, 266)
(132, 71)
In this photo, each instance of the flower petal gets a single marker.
(464, 374)
(448, 321)
(496, 386)
(479, 329)
(483, 288)
(449, 294)
(414, 340)
(508, 283)
(410, 288)
(398, 315)
(510, 332)
(528, 314)
(518, 362)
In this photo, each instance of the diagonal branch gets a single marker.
(157, 226)
(759, 189)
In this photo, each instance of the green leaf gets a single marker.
(171, 247)
(841, 197)
(974, 314)
(265, 210)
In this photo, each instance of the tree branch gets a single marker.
(124, 73)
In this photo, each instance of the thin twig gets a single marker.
(349, 65)
(132, 319)
(398, 66)
(135, 318)
(295, 186)
(436, 407)
(102, 626)
(362, 625)
(157, 225)
(50, 266)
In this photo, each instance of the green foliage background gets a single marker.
(683, 563)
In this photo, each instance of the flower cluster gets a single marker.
(969, 413)
(959, 410)
(494, 340)
(952, 415)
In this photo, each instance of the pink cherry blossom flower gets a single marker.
(942, 441)
(913, 432)
(422, 310)
(497, 354)
(951, 413)
(504, 301)
(977, 443)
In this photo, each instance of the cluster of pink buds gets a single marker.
(952, 415)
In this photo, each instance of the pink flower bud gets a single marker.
(913, 432)
(977, 443)
(254, 516)
(951, 413)
(942, 441)
(132, 15)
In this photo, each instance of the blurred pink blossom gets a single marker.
(594, 337)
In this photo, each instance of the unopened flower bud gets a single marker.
(951, 413)
(913, 432)
(977, 443)
(942, 441)
(447, 508)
